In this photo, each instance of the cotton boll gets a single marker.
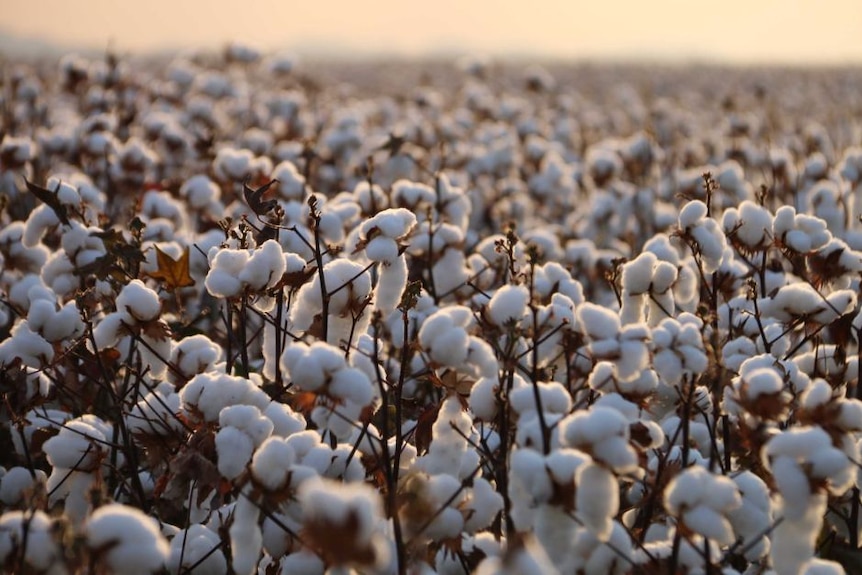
(139, 301)
(483, 398)
(342, 520)
(597, 499)
(482, 505)
(265, 266)
(392, 280)
(599, 323)
(208, 393)
(18, 483)
(272, 462)
(223, 279)
(692, 213)
(509, 304)
(234, 449)
(128, 540)
(79, 445)
(30, 536)
(196, 546)
(246, 539)
(285, 421)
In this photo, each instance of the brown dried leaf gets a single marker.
(173, 273)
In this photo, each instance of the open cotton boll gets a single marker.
(246, 538)
(272, 462)
(553, 396)
(343, 522)
(29, 535)
(508, 304)
(637, 274)
(794, 540)
(18, 482)
(393, 223)
(265, 266)
(751, 520)
(156, 412)
(198, 547)
(391, 281)
(210, 392)
(597, 499)
(223, 278)
(701, 501)
(603, 432)
(79, 445)
(139, 301)
(127, 540)
(599, 323)
(31, 348)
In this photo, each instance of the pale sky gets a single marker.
(736, 31)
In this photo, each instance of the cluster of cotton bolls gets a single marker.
(262, 317)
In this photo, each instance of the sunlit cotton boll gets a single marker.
(127, 540)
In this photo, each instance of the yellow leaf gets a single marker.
(174, 273)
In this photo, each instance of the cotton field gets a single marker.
(261, 315)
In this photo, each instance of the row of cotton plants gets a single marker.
(257, 319)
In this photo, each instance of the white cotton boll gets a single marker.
(130, 540)
(40, 220)
(794, 539)
(29, 347)
(210, 392)
(597, 499)
(234, 449)
(692, 213)
(709, 523)
(444, 341)
(553, 396)
(483, 398)
(30, 535)
(600, 323)
(712, 243)
(196, 546)
(637, 274)
(352, 384)
(508, 304)
(391, 281)
(223, 278)
(482, 506)
(382, 249)
(248, 419)
(139, 301)
(527, 469)
(302, 562)
(837, 304)
(18, 482)
(79, 445)
(755, 225)
(284, 420)
(265, 266)
(272, 462)
(246, 539)
(815, 566)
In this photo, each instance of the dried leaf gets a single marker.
(174, 273)
(254, 198)
(50, 199)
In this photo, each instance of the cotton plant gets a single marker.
(336, 298)
(806, 468)
(380, 238)
(77, 455)
(704, 234)
(647, 293)
(29, 540)
(342, 392)
(123, 538)
(137, 316)
(625, 346)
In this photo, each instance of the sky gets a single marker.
(732, 31)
